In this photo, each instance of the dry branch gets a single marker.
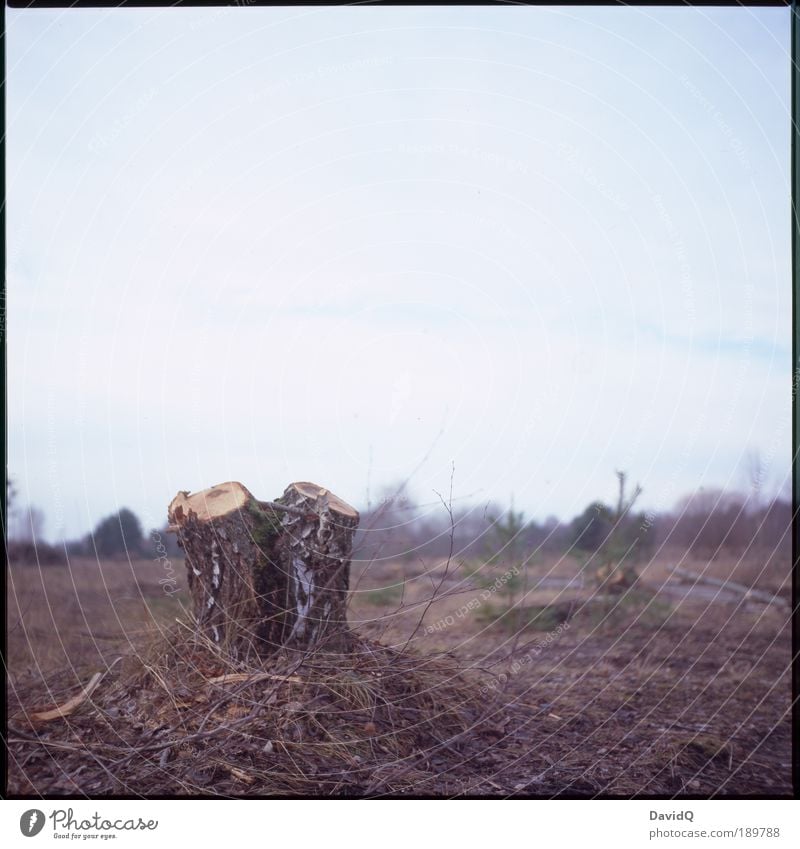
(241, 677)
(71, 705)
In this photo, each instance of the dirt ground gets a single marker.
(664, 690)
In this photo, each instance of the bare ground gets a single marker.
(658, 692)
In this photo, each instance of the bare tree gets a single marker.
(27, 525)
(755, 474)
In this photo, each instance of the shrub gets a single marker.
(119, 534)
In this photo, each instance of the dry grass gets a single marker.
(75, 617)
(372, 721)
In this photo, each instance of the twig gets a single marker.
(449, 507)
(24, 738)
(216, 706)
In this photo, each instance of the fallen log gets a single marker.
(733, 586)
(267, 574)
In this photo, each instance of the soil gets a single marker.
(646, 694)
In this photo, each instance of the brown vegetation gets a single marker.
(460, 681)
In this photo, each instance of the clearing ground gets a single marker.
(560, 689)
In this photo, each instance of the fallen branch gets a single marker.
(71, 705)
(748, 592)
(239, 677)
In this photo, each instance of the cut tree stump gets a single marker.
(265, 575)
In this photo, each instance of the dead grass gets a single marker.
(372, 721)
(76, 616)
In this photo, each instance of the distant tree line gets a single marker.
(119, 535)
(709, 523)
(713, 522)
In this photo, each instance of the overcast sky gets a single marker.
(349, 244)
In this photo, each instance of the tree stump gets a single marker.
(267, 574)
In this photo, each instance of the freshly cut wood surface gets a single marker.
(312, 490)
(211, 503)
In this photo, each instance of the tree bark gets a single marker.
(265, 575)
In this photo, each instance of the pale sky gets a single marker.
(349, 244)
